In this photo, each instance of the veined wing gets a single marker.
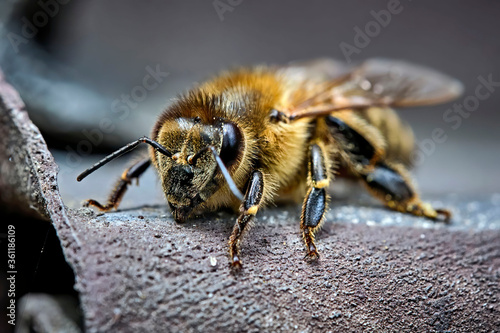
(376, 82)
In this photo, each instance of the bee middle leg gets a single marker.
(315, 202)
(248, 209)
(116, 195)
(392, 185)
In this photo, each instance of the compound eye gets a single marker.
(231, 143)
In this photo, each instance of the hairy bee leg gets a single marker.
(314, 206)
(248, 209)
(392, 185)
(116, 195)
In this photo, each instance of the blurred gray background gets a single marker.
(74, 70)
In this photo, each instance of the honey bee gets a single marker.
(252, 136)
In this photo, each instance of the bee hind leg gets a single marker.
(248, 209)
(315, 202)
(391, 184)
(116, 195)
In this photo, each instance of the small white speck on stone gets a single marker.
(422, 236)
(213, 261)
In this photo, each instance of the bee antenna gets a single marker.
(121, 151)
(227, 176)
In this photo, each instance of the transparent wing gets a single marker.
(310, 81)
(381, 82)
(403, 84)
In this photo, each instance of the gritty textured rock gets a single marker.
(23, 186)
(138, 271)
(28, 178)
(142, 272)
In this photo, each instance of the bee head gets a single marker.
(193, 173)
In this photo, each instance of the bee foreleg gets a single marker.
(314, 206)
(392, 185)
(248, 209)
(116, 195)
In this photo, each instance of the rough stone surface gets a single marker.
(138, 271)
(28, 178)
(142, 272)
(24, 188)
